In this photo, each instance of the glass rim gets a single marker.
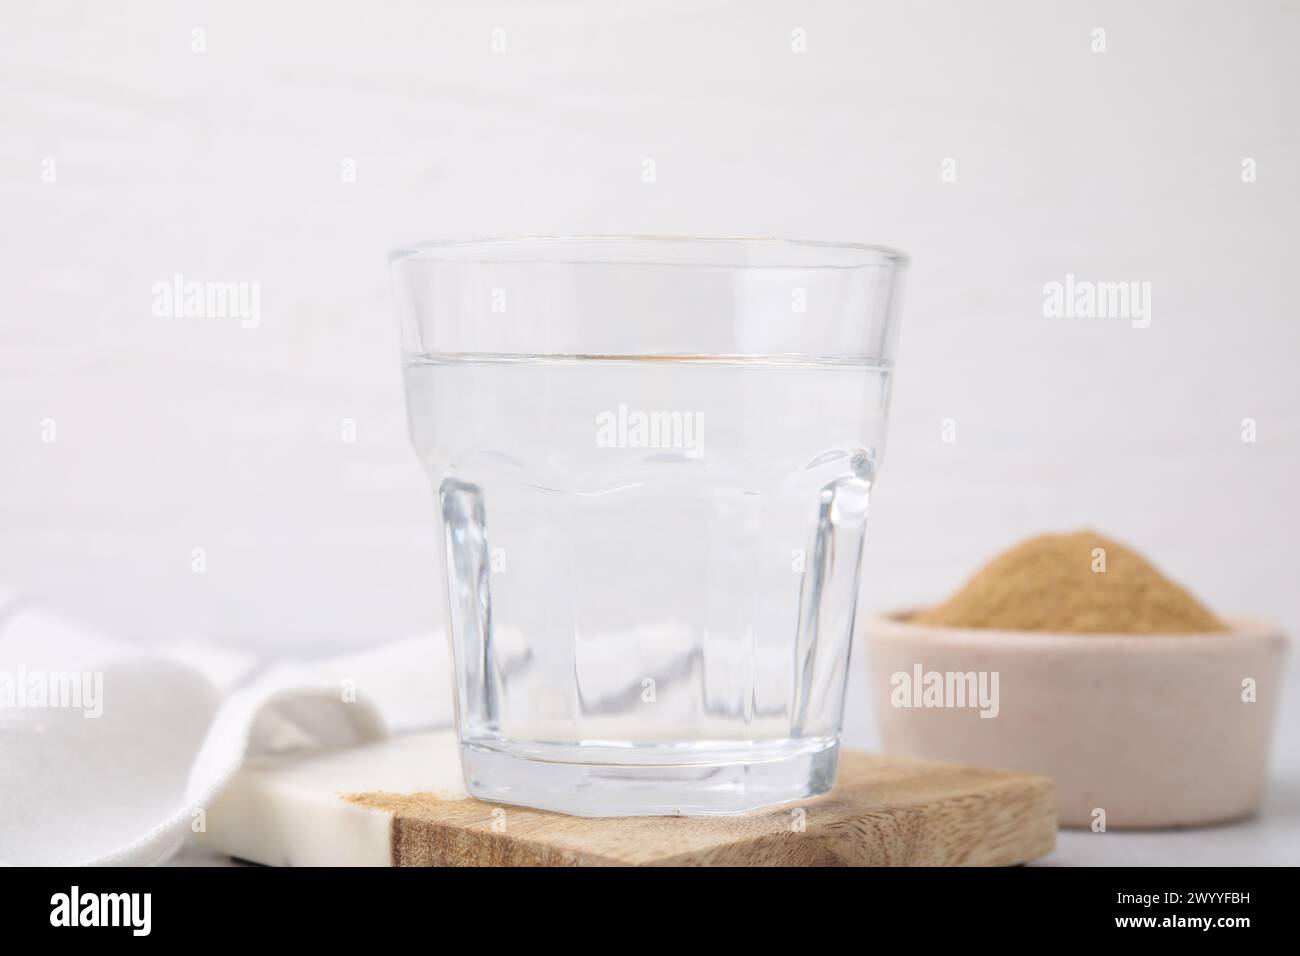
(855, 255)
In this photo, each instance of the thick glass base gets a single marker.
(651, 787)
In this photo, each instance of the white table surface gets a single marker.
(1270, 838)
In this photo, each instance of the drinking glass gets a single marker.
(652, 459)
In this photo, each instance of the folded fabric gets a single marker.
(109, 754)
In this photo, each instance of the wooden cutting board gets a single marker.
(400, 803)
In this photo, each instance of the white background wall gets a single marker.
(174, 434)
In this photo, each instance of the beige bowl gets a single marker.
(1152, 729)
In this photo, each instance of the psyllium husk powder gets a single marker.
(1081, 582)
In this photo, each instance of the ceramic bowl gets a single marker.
(1149, 730)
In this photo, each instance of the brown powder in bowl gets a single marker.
(1056, 582)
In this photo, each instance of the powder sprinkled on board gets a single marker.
(1082, 582)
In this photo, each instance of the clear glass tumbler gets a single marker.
(652, 459)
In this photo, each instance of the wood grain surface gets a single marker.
(883, 811)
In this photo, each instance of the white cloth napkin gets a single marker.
(109, 754)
